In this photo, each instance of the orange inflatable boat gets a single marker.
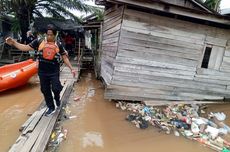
(17, 74)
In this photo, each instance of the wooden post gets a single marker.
(79, 53)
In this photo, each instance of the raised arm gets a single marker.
(12, 42)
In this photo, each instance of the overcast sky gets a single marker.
(225, 4)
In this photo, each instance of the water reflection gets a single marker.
(91, 92)
(92, 139)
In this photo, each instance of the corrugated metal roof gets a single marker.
(61, 24)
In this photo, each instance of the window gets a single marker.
(206, 57)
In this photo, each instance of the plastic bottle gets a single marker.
(65, 133)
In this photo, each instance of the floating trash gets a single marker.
(181, 119)
(77, 98)
(57, 136)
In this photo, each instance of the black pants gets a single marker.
(48, 83)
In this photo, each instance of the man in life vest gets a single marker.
(50, 52)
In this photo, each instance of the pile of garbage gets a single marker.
(182, 119)
(58, 135)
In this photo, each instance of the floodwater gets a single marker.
(98, 126)
(15, 105)
(101, 127)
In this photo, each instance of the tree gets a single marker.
(213, 4)
(25, 10)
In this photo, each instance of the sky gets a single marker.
(225, 4)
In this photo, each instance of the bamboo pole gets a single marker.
(79, 53)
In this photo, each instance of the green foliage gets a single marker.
(100, 14)
(15, 25)
(213, 4)
(26, 10)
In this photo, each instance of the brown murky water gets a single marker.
(98, 127)
(101, 127)
(14, 106)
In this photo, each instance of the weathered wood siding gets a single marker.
(160, 58)
(183, 3)
(110, 39)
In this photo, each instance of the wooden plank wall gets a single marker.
(160, 58)
(111, 33)
(183, 3)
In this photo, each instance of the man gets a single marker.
(49, 52)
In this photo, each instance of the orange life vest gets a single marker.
(48, 49)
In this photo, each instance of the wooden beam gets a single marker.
(177, 10)
(44, 136)
(36, 127)
(165, 102)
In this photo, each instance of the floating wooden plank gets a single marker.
(28, 121)
(43, 138)
(36, 127)
(18, 144)
(27, 146)
(34, 122)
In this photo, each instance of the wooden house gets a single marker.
(92, 31)
(171, 50)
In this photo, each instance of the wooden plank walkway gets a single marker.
(36, 131)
